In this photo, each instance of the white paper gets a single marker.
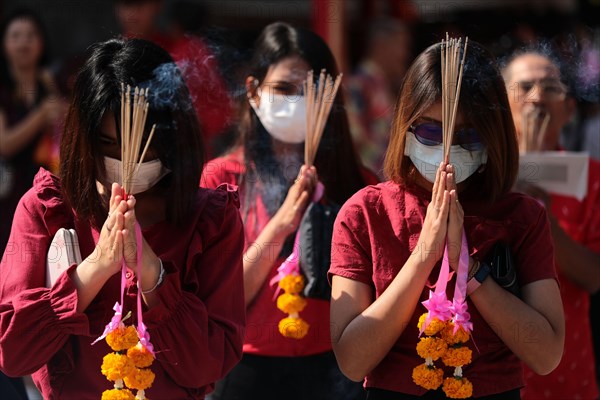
(63, 252)
(557, 172)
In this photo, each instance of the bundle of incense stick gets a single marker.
(452, 72)
(533, 132)
(319, 100)
(133, 120)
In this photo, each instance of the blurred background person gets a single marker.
(30, 109)
(266, 165)
(534, 85)
(373, 88)
(195, 59)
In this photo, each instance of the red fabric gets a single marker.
(374, 234)
(200, 70)
(197, 332)
(575, 376)
(263, 316)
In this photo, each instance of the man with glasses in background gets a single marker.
(541, 107)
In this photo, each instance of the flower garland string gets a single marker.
(447, 328)
(128, 366)
(291, 281)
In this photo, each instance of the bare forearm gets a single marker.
(370, 335)
(578, 263)
(259, 258)
(536, 337)
(88, 279)
(17, 137)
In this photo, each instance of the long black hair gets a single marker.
(176, 142)
(336, 161)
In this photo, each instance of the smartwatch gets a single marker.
(481, 275)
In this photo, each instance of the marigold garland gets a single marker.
(294, 328)
(292, 303)
(292, 283)
(140, 356)
(461, 336)
(117, 394)
(116, 366)
(458, 387)
(122, 338)
(431, 347)
(457, 356)
(139, 378)
(434, 326)
(428, 376)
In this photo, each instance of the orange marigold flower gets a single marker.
(461, 336)
(292, 283)
(431, 347)
(458, 388)
(294, 328)
(140, 356)
(117, 394)
(291, 303)
(427, 376)
(435, 325)
(116, 366)
(139, 378)
(457, 356)
(122, 338)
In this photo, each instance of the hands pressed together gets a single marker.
(117, 240)
(291, 211)
(443, 221)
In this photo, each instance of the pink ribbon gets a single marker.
(438, 305)
(143, 333)
(459, 308)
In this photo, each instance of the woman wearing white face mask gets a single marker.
(389, 242)
(192, 238)
(266, 165)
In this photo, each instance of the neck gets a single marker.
(24, 75)
(150, 208)
(289, 156)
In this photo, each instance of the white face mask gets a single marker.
(148, 175)
(427, 159)
(283, 117)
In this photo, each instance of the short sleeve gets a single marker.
(350, 245)
(534, 256)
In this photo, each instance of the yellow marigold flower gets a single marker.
(292, 283)
(116, 366)
(435, 325)
(294, 328)
(140, 356)
(458, 388)
(117, 394)
(431, 347)
(461, 336)
(427, 376)
(122, 338)
(139, 378)
(457, 356)
(291, 303)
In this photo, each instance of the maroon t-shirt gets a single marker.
(375, 233)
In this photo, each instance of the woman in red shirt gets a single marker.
(192, 243)
(389, 240)
(265, 165)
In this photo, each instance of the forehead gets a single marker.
(290, 69)
(21, 24)
(532, 67)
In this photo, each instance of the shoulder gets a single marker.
(367, 204)
(225, 169)
(44, 201)
(217, 212)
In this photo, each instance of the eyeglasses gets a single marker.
(549, 89)
(431, 134)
